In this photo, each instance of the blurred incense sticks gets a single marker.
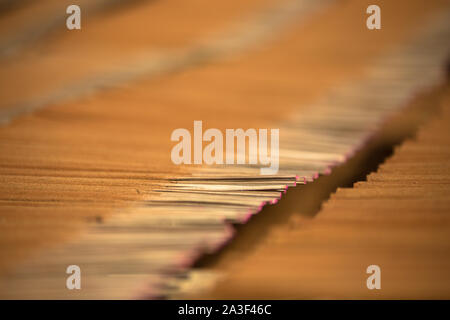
(85, 162)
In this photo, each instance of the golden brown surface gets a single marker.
(73, 163)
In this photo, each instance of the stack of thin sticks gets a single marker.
(398, 219)
(85, 162)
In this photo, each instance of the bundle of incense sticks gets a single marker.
(397, 220)
(71, 165)
(140, 250)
